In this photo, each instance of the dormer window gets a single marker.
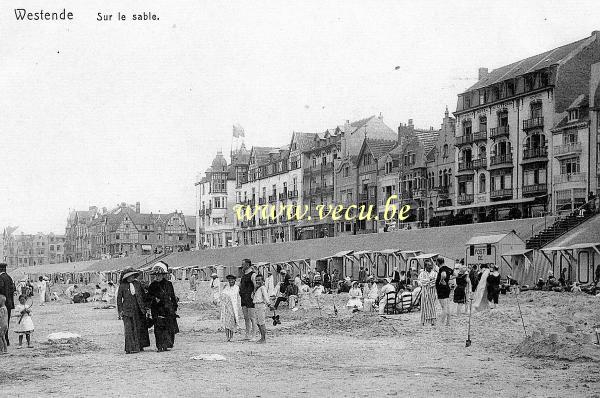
(573, 114)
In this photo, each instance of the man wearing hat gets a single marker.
(247, 284)
(163, 307)
(7, 289)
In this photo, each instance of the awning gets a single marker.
(517, 253)
(584, 246)
(146, 247)
(485, 239)
(389, 251)
(426, 256)
(492, 204)
(360, 253)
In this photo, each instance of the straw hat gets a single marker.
(388, 280)
(230, 277)
(127, 272)
(214, 275)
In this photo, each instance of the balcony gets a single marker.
(327, 167)
(571, 177)
(534, 123)
(465, 199)
(363, 197)
(535, 189)
(283, 196)
(464, 140)
(293, 194)
(480, 136)
(442, 191)
(262, 221)
(501, 160)
(501, 194)
(499, 131)
(465, 166)
(536, 153)
(273, 198)
(419, 193)
(480, 163)
(568, 149)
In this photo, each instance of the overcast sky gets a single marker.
(97, 113)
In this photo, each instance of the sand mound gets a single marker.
(358, 324)
(65, 347)
(569, 348)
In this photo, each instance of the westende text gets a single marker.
(21, 14)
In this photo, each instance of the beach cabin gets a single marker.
(366, 259)
(488, 249)
(520, 266)
(343, 262)
(386, 261)
(405, 256)
(580, 261)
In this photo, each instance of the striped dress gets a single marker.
(428, 296)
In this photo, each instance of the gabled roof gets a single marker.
(261, 153)
(304, 141)
(486, 239)
(380, 147)
(580, 102)
(531, 64)
(427, 138)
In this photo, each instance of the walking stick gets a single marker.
(319, 305)
(468, 342)
(520, 313)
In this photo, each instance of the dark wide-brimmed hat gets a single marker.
(160, 268)
(127, 272)
(230, 277)
(3, 266)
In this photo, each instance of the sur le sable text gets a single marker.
(145, 16)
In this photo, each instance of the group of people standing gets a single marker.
(252, 297)
(141, 308)
(438, 281)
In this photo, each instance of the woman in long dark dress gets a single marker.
(163, 306)
(460, 292)
(132, 310)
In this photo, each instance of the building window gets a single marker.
(503, 119)
(482, 183)
(467, 127)
(570, 137)
(483, 123)
(445, 151)
(536, 110)
(346, 172)
(569, 166)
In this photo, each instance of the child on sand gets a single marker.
(3, 324)
(24, 323)
(261, 301)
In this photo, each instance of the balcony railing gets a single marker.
(441, 190)
(272, 198)
(480, 163)
(419, 193)
(499, 131)
(571, 177)
(501, 194)
(567, 149)
(536, 152)
(535, 189)
(293, 194)
(465, 198)
(536, 122)
(465, 166)
(480, 136)
(464, 139)
(501, 160)
(262, 201)
(283, 196)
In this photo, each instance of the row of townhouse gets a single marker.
(20, 250)
(524, 141)
(125, 231)
(527, 134)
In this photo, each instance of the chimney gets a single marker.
(483, 72)
(410, 123)
(137, 207)
(104, 210)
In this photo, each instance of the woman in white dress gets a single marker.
(42, 288)
(480, 301)
(215, 287)
(230, 303)
(371, 293)
(355, 294)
